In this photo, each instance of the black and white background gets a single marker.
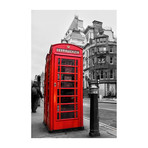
(15, 63)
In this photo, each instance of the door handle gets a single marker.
(54, 84)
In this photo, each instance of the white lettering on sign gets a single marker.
(67, 51)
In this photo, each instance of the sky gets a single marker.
(49, 27)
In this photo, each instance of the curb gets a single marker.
(107, 102)
(111, 102)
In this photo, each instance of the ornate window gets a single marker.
(101, 60)
(111, 49)
(101, 74)
(111, 60)
(111, 73)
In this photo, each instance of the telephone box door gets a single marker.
(67, 93)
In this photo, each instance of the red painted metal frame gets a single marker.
(46, 86)
(51, 71)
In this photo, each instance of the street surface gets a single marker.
(39, 130)
(107, 112)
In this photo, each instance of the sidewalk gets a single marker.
(39, 130)
(113, 101)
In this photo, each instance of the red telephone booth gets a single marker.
(63, 107)
(46, 87)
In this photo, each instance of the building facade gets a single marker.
(74, 34)
(99, 59)
(99, 54)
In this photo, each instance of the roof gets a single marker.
(76, 35)
(76, 23)
(88, 28)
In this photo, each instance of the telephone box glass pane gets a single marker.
(58, 76)
(67, 107)
(57, 107)
(67, 115)
(67, 91)
(67, 99)
(67, 76)
(57, 115)
(67, 69)
(58, 91)
(76, 106)
(58, 68)
(76, 77)
(76, 62)
(58, 61)
(58, 100)
(76, 114)
(67, 84)
(68, 62)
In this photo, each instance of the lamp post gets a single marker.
(94, 118)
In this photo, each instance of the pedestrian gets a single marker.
(35, 95)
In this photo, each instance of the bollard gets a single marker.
(94, 118)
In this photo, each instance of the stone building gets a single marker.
(99, 58)
(74, 34)
(99, 54)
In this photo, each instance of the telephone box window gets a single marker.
(76, 114)
(67, 115)
(58, 68)
(67, 76)
(76, 106)
(58, 91)
(58, 100)
(67, 107)
(58, 76)
(76, 92)
(57, 115)
(67, 69)
(68, 62)
(57, 107)
(67, 84)
(76, 77)
(58, 61)
(76, 70)
(67, 91)
(67, 99)
(76, 62)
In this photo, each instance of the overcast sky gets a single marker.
(49, 27)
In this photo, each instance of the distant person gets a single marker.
(35, 95)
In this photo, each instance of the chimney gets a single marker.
(97, 28)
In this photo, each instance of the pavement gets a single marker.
(39, 130)
(105, 100)
(113, 101)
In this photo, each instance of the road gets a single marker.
(107, 112)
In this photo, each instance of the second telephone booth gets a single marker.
(63, 87)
